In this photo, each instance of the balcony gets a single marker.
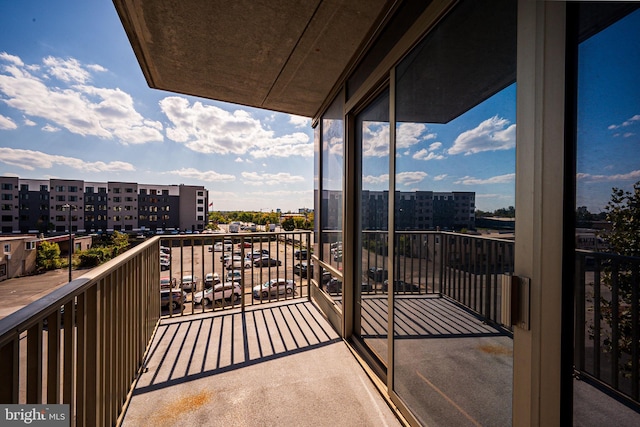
(276, 358)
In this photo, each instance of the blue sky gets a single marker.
(74, 104)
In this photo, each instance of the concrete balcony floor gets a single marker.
(273, 365)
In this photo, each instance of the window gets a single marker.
(89, 208)
(143, 191)
(102, 189)
(30, 245)
(200, 209)
(60, 218)
(73, 189)
(200, 193)
(200, 218)
(6, 196)
(7, 218)
(24, 196)
(128, 190)
(116, 199)
(61, 198)
(24, 187)
(128, 199)
(165, 192)
(7, 207)
(88, 190)
(73, 198)
(60, 188)
(7, 248)
(7, 186)
(117, 190)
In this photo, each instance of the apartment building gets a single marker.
(414, 210)
(57, 205)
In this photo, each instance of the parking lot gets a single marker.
(198, 260)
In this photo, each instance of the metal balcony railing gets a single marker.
(607, 323)
(221, 271)
(84, 343)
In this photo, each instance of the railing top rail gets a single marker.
(608, 255)
(25, 317)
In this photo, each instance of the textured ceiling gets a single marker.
(281, 55)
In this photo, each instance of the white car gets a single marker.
(229, 292)
(274, 287)
(189, 283)
(237, 262)
(211, 279)
(219, 247)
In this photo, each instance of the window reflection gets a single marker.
(607, 344)
(454, 156)
(331, 197)
(372, 136)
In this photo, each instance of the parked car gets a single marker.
(227, 256)
(234, 276)
(165, 250)
(326, 277)
(337, 256)
(274, 287)
(378, 274)
(167, 283)
(301, 254)
(303, 268)
(211, 279)
(237, 262)
(219, 246)
(334, 286)
(189, 283)
(172, 298)
(227, 291)
(401, 286)
(245, 244)
(266, 262)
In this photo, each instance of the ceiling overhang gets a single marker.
(278, 54)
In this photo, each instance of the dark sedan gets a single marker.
(266, 262)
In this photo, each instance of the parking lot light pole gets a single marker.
(70, 239)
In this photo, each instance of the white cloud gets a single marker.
(424, 154)
(409, 134)
(491, 135)
(32, 160)
(375, 139)
(49, 128)
(626, 123)
(208, 176)
(299, 121)
(605, 178)
(7, 124)
(435, 146)
(410, 178)
(370, 179)
(210, 129)
(29, 122)
(440, 177)
(238, 160)
(81, 109)
(500, 179)
(256, 179)
(67, 70)
(15, 60)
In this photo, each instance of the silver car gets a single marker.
(222, 292)
(274, 287)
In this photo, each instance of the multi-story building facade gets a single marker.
(416, 210)
(42, 206)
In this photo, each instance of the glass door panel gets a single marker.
(371, 317)
(455, 167)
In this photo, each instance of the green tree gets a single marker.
(289, 224)
(120, 242)
(623, 212)
(48, 256)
